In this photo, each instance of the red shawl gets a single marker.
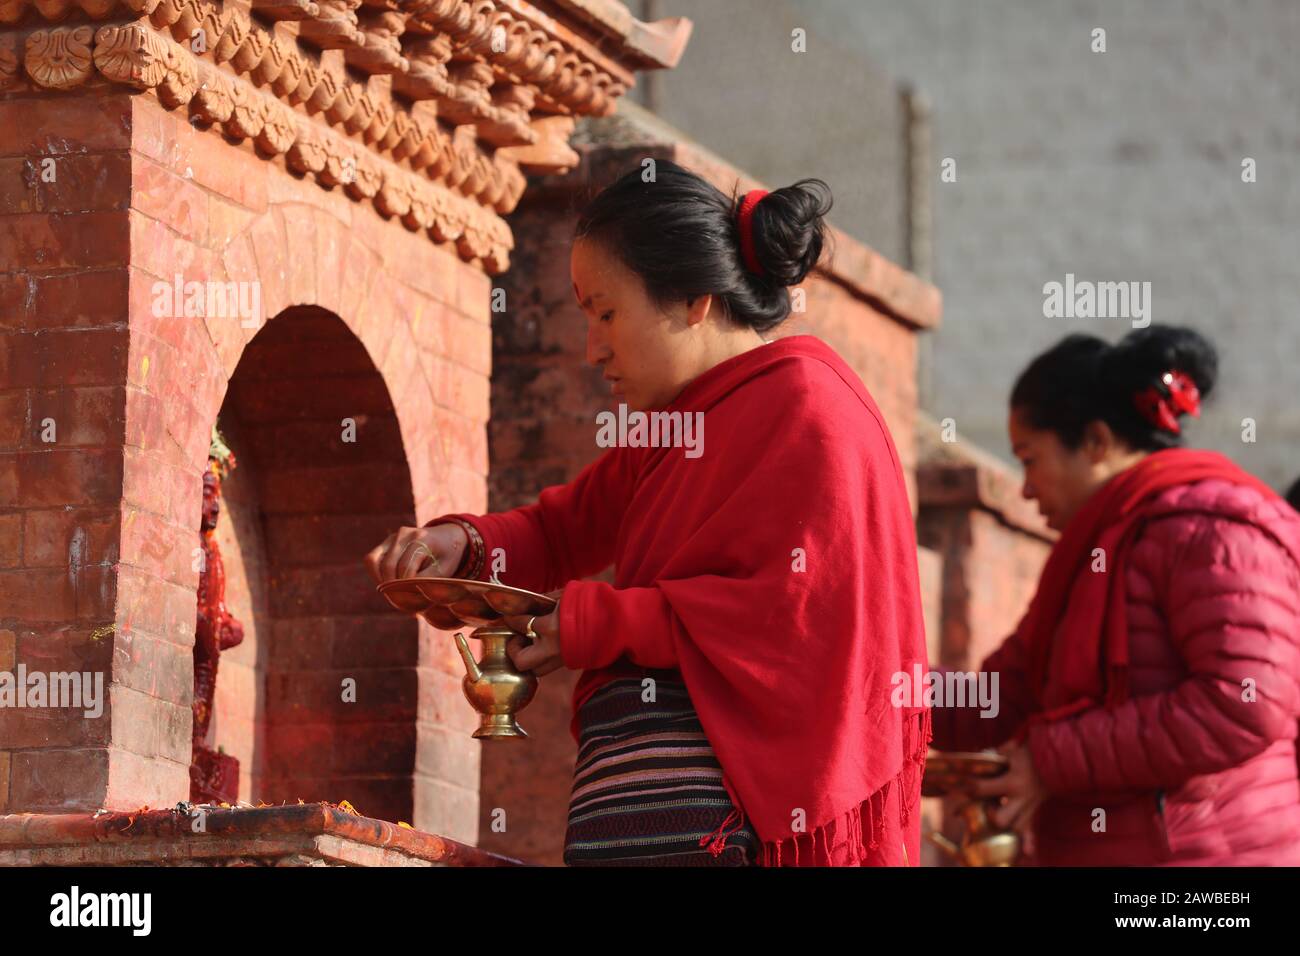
(777, 571)
(1076, 627)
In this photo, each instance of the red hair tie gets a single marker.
(1162, 410)
(748, 203)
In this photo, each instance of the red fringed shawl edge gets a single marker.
(864, 824)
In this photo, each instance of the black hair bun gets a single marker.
(790, 230)
(681, 235)
(1140, 358)
(1082, 379)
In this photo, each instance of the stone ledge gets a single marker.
(963, 475)
(312, 834)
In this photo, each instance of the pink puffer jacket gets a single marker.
(1186, 774)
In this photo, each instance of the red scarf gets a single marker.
(1076, 628)
(790, 661)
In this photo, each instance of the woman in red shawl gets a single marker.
(1150, 693)
(734, 706)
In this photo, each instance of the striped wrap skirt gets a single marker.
(647, 788)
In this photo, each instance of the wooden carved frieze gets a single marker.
(334, 26)
(307, 152)
(235, 41)
(340, 165)
(361, 112)
(131, 53)
(60, 58)
(213, 102)
(478, 91)
(550, 151)
(509, 121)
(394, 196)
(286, 9)
(181, 77)
(273, 62)
(381, 51)
(279, 128)
(366, 179)
(247, 112)
(466, 99)
(182, 17)
(426, 77)
(54, 10)
(10, 64)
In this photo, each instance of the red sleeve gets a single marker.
(1232, 603)
(965, 728)
(599, 624)
(569, 533)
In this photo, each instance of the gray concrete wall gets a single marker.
(830, 112)
(1122, 165)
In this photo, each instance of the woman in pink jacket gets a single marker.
(1149, 696)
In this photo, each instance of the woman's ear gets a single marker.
(1099, 442)
(698, 308)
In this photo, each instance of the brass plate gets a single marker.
(945, 772)
(448, 603)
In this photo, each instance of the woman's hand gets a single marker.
(1020, 787)
(408, 552)
(541, 655)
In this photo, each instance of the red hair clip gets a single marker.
(745, 221)
(1162, 409)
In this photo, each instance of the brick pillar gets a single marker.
(64, 248)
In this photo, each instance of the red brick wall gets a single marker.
(64, 249)
(989, 574)
(991, 542)
(1002, 569)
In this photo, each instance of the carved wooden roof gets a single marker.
(433, 110)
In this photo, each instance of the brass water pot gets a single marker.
(498, 612)
(982, 843)
(492, 686)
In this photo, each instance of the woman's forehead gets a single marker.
(595, 272)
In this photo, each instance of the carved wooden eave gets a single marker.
(432, 110)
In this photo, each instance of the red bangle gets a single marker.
(475, 556)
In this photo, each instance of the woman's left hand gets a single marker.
(1020, 788)
(542, 654)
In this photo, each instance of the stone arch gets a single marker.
(322, 477)
(335, 277)
(308, 255)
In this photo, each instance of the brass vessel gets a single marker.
(497, 612)
(982, 843)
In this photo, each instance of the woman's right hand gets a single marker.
(408, 552)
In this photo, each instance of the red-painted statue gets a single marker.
(214, 776)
